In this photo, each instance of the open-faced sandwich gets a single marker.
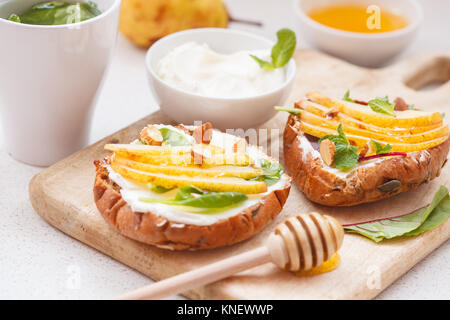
(189, 187)
(347, 152)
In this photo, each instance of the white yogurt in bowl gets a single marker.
(196, 68)
(233, 95)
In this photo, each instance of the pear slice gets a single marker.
(360, 141)
(402, 119)
(321, 111)
(224, 184)
(187, 159)
(192, 171)
(439, 132)
(140, 149)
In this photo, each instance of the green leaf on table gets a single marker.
(380, 149)
(411, 224)
(282, 51)
(174, 138)
(382, 105)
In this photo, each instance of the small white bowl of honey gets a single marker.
(364, 32)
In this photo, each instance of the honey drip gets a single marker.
(325, 267)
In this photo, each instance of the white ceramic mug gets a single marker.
(49, 80)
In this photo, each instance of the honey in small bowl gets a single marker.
(358, 18)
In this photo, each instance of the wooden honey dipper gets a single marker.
(299, 243)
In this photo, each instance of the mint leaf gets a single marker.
(345, 156)
(272, 171)
(411, 224)
(282, 51)
(185, 192)
(341, 138)
(380, 149)
(157, 189)
(214, 200)
(294, 111)
(382, 105)
(263, 64)
(174, 138)
(347, 97)
(208, 200)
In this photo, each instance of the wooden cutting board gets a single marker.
(62, 195)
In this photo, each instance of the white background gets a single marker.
(39, 262)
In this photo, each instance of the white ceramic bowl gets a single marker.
(49, 81)
(186, 107)
(365, 49)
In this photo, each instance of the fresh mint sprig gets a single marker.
(380, 149)
(345, 155)
(382, 105)
(282, 51)
(347, 97)
(272, 172)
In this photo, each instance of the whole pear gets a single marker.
(145, 21)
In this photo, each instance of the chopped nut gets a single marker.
(199, 152)
(332, 113)
(400, 104)
(368, 149)
(183, 128)
(203, 133)
(364, 150)
(240, 146)
(152, 136)
(327, 150)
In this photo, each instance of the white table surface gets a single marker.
(40, 262)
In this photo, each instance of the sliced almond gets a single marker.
(152, 136)
(183, 128)
(327, 150)
(400, 104)
(240, 146)
(364, 150)
(203, 133)
(332, 113)
(199, 153)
